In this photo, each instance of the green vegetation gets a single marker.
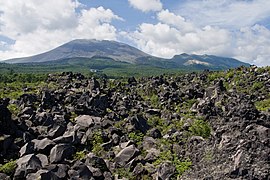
(96, 142)
(263, 105)
(124, 173)
(79, 155)
(136, 136)
(180, 165)
(9, 167)
(200, 128)
(14, 109)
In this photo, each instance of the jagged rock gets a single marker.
(126, 154)
(60, 170)
(139, 123)
(43, 159)
(132, 81)
(80, 171)
(93, 84)
(27, 111)
(44, 119)
(96, 162)
(5, 143)
(27, 164)
(6, 124)
(42, 175)
(56, 131)
(70, 136)
(28, 148)
(86, 121)
(4, 177)
(155, 133)
(60, 152)
(156, 112)
(43, 146)
(165, 171)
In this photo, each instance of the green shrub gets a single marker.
(136, 136)
(80, 155)
(9, 167)
(180, 165)
(257, 86)
(200, 128)
(14, 109)
(96, 142)
(154, 101)
(263, 105)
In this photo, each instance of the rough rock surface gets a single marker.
(207, 125)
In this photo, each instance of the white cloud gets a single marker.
(38, 26)
(225, 13)
(253, 45)
(175, 35)
(146, 5)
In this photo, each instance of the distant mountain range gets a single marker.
(82, 51)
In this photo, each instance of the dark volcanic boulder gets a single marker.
(80, 171)
(27, 164)
(126, 155)
(4, 177)
(44, 146)
(86, 121)
(165, 171)
(6, 124)
(42, 175)
(60, 152)
(139, 123)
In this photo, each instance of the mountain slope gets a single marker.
(82, 51)
(87, 49)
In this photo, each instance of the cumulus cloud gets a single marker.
(38, 26)
(253, 45)
(229, 13)
(175, 35)
(145, 6)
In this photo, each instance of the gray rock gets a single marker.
(80, 171)
(42, 175)
(155, 133)
(70, 136)
(126, 154)
(43, 159)
(165, 171)
(60, 170)
(96, 162)
(28, 148)
(44, 146)
(86, 121)
(56, 131)
(60, 152)
(4, 177)
(139, 123)
(27, 164)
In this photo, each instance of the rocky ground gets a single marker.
(209, 125)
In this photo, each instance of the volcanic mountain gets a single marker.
(83, 50)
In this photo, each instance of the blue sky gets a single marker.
(164, 28)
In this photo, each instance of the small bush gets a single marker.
(80, 155)
(263, 105)
(200, 128)
(137, 137)
(9, 167)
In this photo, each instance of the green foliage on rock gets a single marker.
(200, 128)
(9, 167)
(79, 155)
(263, 105)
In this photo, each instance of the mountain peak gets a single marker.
(87, 48)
